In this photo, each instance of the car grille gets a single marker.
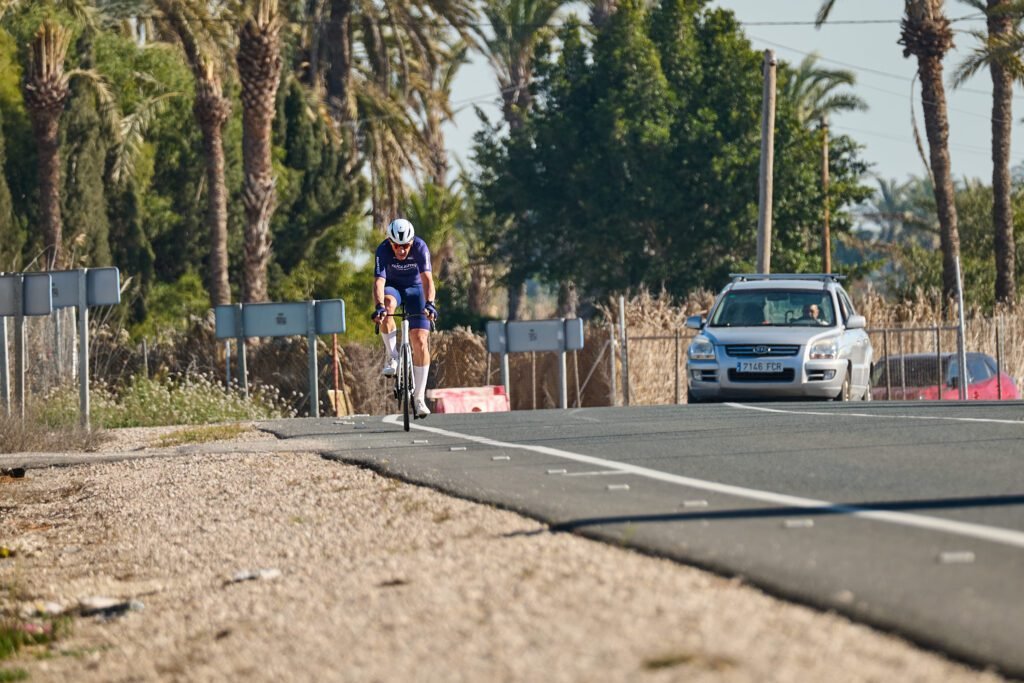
(784, 376)
(762, 350)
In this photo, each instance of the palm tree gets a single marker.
(434, 103)
(517, 28)
(202, 40)
(812, 90)
(927, 36)
(1000, 51)
(259, 69)
(46, 90)
(904, 212)
(375, 52)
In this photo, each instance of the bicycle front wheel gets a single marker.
(406, 370)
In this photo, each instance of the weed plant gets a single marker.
(193, 399)
(30, 434)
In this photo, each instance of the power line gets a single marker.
(852, 22)
(865, 69)
(885, 136)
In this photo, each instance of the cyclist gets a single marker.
(402, 276)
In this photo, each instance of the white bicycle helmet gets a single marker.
(400, 231)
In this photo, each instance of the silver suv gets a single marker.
(780, 336)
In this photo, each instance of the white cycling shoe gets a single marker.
(420, 407)
(390, 367)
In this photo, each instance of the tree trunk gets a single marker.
(1000, 25)
(259, 69)
(601, 11)
(46, 91)
(212, 111)
(479, 290)
(926, 35)
(45, 128)
(568, 299)
(516, 300)
(339, 61)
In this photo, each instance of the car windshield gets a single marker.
(775, 308)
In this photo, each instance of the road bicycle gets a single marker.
(403, 391)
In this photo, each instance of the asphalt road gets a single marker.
(905, 516)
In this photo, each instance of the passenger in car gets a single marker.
(751, 314)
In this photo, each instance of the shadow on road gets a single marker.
(835, 509)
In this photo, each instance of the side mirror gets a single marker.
(856, 322)
(953, 382)
(695, 322)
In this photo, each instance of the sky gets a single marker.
(861, 37)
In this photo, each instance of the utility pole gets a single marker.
(826, 236)
(764, 219)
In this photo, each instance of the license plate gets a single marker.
(760, 366)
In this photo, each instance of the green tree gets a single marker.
(517, 29)
(319, 190)
(10, 237)
(85, 145)
(639, 162)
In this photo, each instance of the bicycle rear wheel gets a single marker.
(406, 370)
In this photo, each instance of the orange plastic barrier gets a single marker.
(489, 399)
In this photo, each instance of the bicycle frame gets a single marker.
(403, 377)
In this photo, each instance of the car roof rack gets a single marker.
(815, 277)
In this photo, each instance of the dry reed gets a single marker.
(655, 330)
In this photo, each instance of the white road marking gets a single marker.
(979, 531)
(875, 415)
(596, 473)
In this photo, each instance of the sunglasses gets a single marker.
(396, 247)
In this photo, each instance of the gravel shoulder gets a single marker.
(244, 561)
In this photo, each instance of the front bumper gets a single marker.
(800, 378)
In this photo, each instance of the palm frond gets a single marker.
(131, 134)
(101, 89)
(823, 12)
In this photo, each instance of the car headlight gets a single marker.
(826, 349)
(701, 348)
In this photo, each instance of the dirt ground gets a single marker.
(245, 562)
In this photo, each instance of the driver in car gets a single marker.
(811, 315)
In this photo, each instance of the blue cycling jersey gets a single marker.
(405, 272)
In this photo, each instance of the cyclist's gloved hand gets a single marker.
(378, 315)
(430, 310)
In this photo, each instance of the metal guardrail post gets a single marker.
(5, 376)
(961, 340)
(83, 349)
(624, 351)
(563, 390)
(938, 359)
(314, 375)
(611, 358)
(677, 367)
(999, 357)
(19, 346)
(888, 361)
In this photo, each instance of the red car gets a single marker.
(919, 376)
